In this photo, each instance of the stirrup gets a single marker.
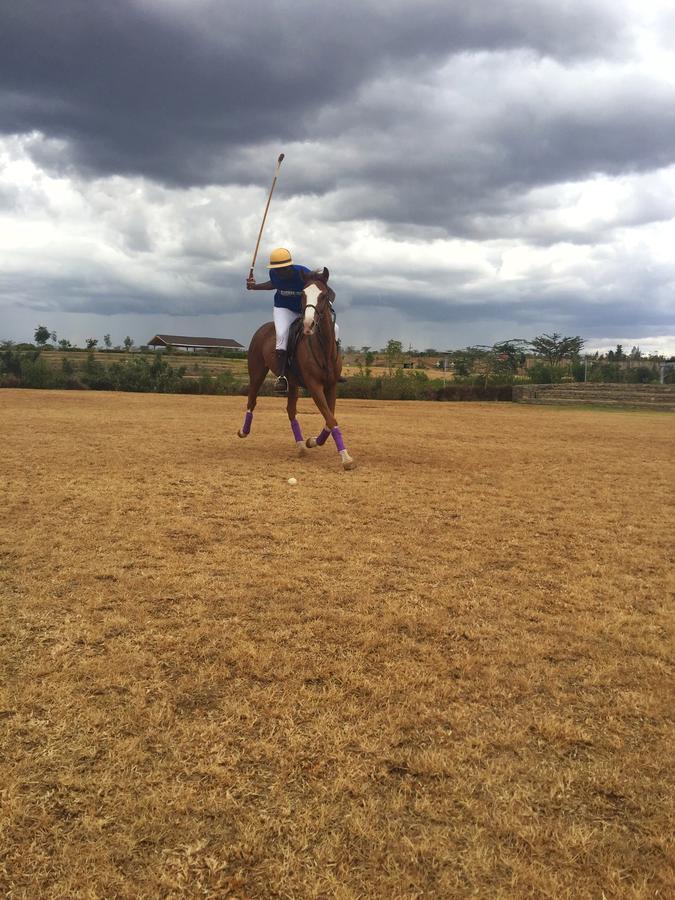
(281, 385)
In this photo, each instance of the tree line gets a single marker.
(548, 357)
(43, 335)
(475, 370)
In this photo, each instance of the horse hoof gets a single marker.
(241, 434)
(350, 464)
(302, 450)
(310, 442)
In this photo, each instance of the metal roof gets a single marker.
(181, 340)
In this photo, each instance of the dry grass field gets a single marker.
(444, 674)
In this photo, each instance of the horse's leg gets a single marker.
(320, 439)
(324, 404)
(257, 370)
(331, 396)
(291, 409)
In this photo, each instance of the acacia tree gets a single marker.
(501, 359)
(509, 355)
(555, 348)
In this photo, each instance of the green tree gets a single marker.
(107, 341)
(128, 343)
(393, 352)
(509, 355)
(42, 335)
(555, 348)
(469, 358)
(91, 343)
(65, 344)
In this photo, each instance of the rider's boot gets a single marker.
(281, 384)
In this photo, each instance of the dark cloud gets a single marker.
(525, 313)
(479, 150)
(170, 90)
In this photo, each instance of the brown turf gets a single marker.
(442, 675)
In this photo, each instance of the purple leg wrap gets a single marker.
(295, 425)
(248, 418)
(337, 437)
(322, 438)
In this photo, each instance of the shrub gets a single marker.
(405, 386)
(11, 358)
(641, 375)
(189, 386)
(35, 373)
(607, 372)
(418, 386)
(540, 373)
(96, 376)
(360, 387)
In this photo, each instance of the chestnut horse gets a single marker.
(317, 364)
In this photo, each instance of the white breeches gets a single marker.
(283, 319)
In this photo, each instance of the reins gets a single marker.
(319, 332)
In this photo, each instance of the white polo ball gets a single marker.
(292, 480)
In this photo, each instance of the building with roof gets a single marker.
(182, 342)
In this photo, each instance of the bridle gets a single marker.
(315, 329)
(315, 306)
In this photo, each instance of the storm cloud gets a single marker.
(464, 172)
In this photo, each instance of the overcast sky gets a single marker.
(468, 172)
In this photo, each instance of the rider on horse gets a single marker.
(288, 282)
(317, 365)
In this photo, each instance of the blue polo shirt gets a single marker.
(289, 290)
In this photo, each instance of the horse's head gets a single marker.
(316, 298)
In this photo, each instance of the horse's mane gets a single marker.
(320, 275)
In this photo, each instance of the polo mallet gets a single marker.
(262, 225)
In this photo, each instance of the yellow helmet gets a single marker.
(280, 257)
